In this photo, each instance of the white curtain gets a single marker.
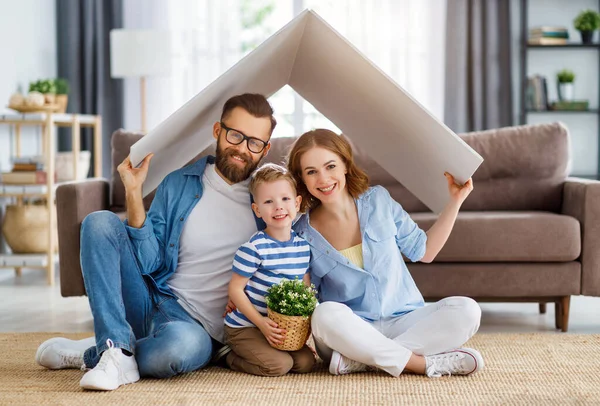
(205, 40)
(405, 38)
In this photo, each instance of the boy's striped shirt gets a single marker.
(266, 262)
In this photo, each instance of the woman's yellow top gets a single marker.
(354, 255)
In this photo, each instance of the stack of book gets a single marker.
(570, 105)
(26, 171)
(548, 36)
(536, 94)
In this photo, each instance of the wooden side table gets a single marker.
(48, 122)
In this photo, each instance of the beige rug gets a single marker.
(532, 369)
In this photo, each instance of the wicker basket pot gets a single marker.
(25, 228)
(297, 328)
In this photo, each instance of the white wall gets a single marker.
(28, 49)
(584, 62)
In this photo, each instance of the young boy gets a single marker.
(269, 257)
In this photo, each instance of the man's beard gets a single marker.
(230, 170)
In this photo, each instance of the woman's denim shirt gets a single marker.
(384, 288)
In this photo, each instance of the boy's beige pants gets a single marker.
(252, 353)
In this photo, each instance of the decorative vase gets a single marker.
(62, 100)
(586, 36)
(565, 91)
(64, 165)
(297, 330)
(25, 228)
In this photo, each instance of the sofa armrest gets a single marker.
(74, 201)
(581, 199)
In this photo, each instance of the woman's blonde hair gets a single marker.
(357, 181)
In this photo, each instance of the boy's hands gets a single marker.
(274, 335)
(229, 307)
(458, 193)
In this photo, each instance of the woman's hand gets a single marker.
(133, 178)
(458, 193)
(272, 333)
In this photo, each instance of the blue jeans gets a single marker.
(129, 310)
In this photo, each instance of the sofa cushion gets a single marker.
(497, 280)
(508, 237)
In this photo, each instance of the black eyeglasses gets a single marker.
(236, 137)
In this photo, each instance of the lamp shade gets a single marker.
(135, 53)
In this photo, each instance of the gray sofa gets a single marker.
(527, 233)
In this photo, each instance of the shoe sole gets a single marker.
(334, 365)
(131, 377)
(223, 351)
(43, 347)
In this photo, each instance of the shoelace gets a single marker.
(71, 359)
(351, 365)
(446, 364)
(111, 354)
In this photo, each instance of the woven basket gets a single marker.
(25, 228)
(297, 328)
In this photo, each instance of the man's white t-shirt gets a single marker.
(217, 226)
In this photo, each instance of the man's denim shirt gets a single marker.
(156, 243)
(384, 288)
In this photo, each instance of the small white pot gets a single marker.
(565, 91)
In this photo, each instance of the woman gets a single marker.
(371, 312)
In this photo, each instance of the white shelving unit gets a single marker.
(49, 122)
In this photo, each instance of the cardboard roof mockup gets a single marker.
(340, 82)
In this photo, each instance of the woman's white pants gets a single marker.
(388, 343)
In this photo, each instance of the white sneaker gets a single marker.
(113, 370)
(341, 365)
(61, 353)
(463, 361)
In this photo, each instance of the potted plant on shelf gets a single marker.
(62, 94)
(290, 304)
(565, 80)
(45, 87)
(586, 23)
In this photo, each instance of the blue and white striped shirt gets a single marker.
(267, 262)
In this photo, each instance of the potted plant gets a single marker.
(290, 304)
(586, 23)
(62, 94)
(565, 80)
(45, 87)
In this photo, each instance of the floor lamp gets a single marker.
(140, 54)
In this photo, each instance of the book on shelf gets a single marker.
(536, 93)
(33, 159)
(25, 178)
(18, 167)
(548, 35)
(548, 41)
(549, 28)
(574, 105)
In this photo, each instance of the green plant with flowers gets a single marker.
(292, 298)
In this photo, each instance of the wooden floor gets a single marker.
(27, 304)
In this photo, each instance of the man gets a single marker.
(157, 283)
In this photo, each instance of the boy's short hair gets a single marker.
(269, 173)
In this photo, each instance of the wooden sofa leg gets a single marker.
(542, 308)
(562, 313)
(565, 305)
